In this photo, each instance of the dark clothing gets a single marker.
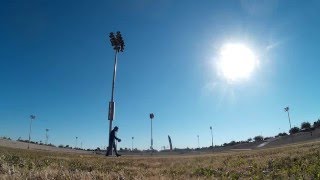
(112, 143)
(112, 136)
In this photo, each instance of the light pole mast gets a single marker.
(32, 117)
(198, 142)
(47, 137)
(211, 137)
(118, 45)
(151, 117)
(76, 142)
(132, 143)
(286, 109)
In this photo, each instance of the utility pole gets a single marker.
(118, 45)
(76, 142)
(32, 117)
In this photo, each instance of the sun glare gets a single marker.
(236, 62)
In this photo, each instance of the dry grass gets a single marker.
(295, 162)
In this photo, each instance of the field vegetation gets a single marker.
(300, 161)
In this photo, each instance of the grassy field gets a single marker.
(296, 162)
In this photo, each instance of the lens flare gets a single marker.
(236, 62)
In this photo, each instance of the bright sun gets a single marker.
(236, 62)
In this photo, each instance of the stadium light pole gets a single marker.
(47, 137)
(211, 136)
(32, 117)
(151, 117)
(132, 143)
(198, 142)
(118, 45)
(286, 109)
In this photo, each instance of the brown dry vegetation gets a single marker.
(295, 162)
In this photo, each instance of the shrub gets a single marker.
(294, 130)
(281, 134)
(258, 138)
(316, 124)
(305, 125)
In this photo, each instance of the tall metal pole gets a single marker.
(151, 136)
(287, 110)
(198, 142)
(211, 136)
(151, 117)
(132, 143)
(112, 90)
(118, 45)
(29, 133)
(76, 142)
(47, 136)
(289, 119)
(111, 103)
(32, 117)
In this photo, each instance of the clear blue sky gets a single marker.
(56, 62)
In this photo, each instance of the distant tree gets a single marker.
(60, 146)
(249, 140)
(281, 134)
(258, 138)
(294, 130)
(232, 143)
(316, 124)
(51, 145)
(305, 125)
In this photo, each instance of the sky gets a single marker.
(56, 62)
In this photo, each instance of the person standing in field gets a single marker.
(112, 143)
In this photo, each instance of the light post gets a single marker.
(76, 142)
(198, 142)
(211, 137)
(32, 117)
(47, 137)
(118, 45)
(151, 117)
(286, 109)
(132, 143)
